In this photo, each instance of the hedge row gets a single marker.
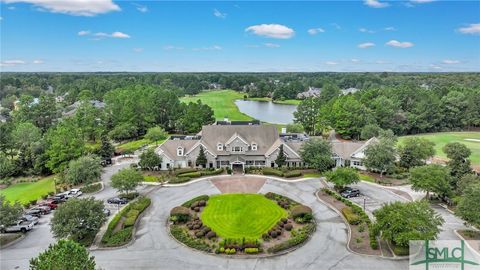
(181, 235)
(281, 173)
(130, 214)
(361, 215)
(196, 199)
(298, 237)
(271, 171)
(196, 174)
(351, 217)
(184, 170)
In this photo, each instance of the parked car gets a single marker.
(73, 193)
(59, 198)
(20, 226)
(117, 200)
(34, 212)
(106, 211)
(50, 203)
(350, 192)
(106, 162)
(30, 218)
(44, 210)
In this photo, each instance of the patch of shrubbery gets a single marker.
(196, 199)
(298, 236)
(281, 200)
(91, 188)
(290, 174)
(180, 214)
(129, 214)
(271, 171)
(182, 235)
(129, 196)
(184, 170)
(351, 217)
(196, 173)
(179, 180)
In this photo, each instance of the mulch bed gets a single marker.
(359, 240)
(238, 184)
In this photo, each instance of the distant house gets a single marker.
(351, 90)
(311, 92)
(248, 144)
(72, 109)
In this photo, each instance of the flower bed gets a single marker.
(362, 238)
(274, 226)
(120, 228)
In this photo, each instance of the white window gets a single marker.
(219, 147)
(237, 149)
(254, 147)
(179, 151)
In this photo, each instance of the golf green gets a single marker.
(241, 215)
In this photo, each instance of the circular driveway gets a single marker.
(155, 249)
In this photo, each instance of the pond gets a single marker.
(267, 111)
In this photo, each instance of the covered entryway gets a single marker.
(237, 167)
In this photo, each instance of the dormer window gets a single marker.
(219, 147)
(254, 147)
(179, 151)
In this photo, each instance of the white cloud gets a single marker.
(271, 30)
(119, 35)
(77, 8)
(10, 63)
(138, 50)
(211, 48)
(435, 67)
(473, 29)
(422, 1)
(354, 60)
(103, 35)
(390, 28)
(375, 4)
(331, 63)
(450, 62)
(365, 30)
(314, 31)
(83, 33)
(141, 8)
(38, 62)
(171, 47)
(271, 45)
(381, 62)
(219, 14)
(336, 25)
(365, 45)
(398, 44)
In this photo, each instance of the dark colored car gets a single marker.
(50, 203)
(106, 212)
(350, 192)
(59, 198)
(117, 200)
(34, 212)
(44, 210)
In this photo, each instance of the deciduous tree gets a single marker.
(342, 177)
(9, 213)
(430, 178)
(149, 159)
(318, 154)
(415, 151)
(64, 255)
(84, 170)
(126, 180)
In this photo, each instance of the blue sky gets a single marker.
(371, 35)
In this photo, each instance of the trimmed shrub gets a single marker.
(180, 171)
(292, 174)
(297, 238)
(288, 226)
(196, 199)
(351, 217)
(180, 214)
(211, 234)
(181, 235)
(300, 211)
(191, 174)
(271, 171)
(215, 172)
(199, 234)
(251, 250)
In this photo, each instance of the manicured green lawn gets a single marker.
(241, 215)
(26, 192)
(222, 103)
(441, 139)
(131, 146)
(312, 175)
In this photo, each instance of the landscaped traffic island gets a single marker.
(242, 223)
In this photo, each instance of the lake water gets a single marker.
(267, 111)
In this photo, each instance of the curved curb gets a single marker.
(134, 234)
(14, 241)
(350, 233)
(466, 241)
(96, 192)
(242, 256)
(249, 175)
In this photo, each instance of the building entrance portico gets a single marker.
(237, 166)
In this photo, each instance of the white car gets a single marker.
(75, 192)
(20, 226)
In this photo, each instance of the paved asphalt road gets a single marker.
(155, 249)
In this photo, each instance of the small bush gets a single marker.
(400, 250)
(191, 174)
(196, 199)
(300, 211)
(351, 217)
(297, 238)
(211, 234)
(178, 172)
(288, 226)
(180, 214)
(129, 196)
(292, 174)
(181, 235)
(251, 250)
(199, 234)
(271, 171)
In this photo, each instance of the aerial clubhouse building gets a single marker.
(240, 144)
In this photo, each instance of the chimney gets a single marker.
(284, 130)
